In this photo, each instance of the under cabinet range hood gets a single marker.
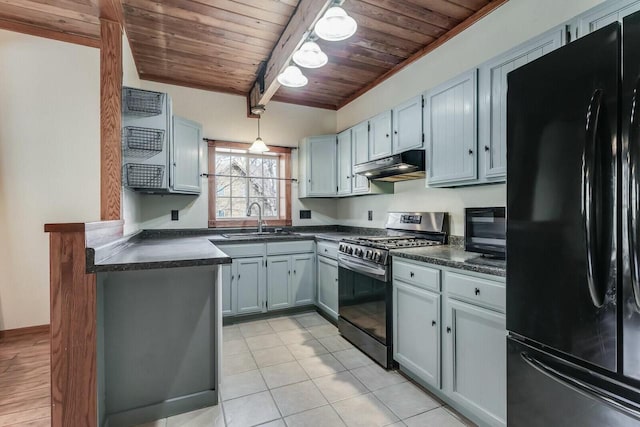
(399, 167)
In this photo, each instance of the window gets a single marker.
(239, 178)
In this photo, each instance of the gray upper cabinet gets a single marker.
(493, 101)
(185, 156)
(380, 136)
(345, 165)
(407, 125)
(360, 154)
(604, 14)
(321, 166)
(450, 119)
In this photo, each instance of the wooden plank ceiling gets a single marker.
(219, 45)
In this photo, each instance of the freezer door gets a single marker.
(561, 241)
(631, 197)
(544, 391)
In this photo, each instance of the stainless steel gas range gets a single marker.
(365, 291)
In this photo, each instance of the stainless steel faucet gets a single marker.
(259, 214)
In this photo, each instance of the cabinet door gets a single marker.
(328, 285)
(322, 166)
(380, 136)
(250, 282)
(416, 331)
(185, 162)
(475, 360)
(493, 100)
(407, 125)
(303, 279)
(604, 15)
(345, 165)
(451, 131)
(278, 282)
(228, 277)
(360, 148)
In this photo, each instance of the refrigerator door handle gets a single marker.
(582, 387)
(634, 194)
(588, 200)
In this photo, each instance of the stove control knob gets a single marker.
(358, 252)
(377, 256)
(341, 248)
(350, 250)
(369, 255)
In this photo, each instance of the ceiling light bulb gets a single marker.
(292, 77)
(335, 25)
(258, 146)
(310, 56)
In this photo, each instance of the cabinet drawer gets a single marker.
(417, 274)
(328, 249)
(476, 290)
(242, 250)
(298, 247)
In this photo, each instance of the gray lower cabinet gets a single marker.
(453, 341)
(279, 282)
(416, 330)
(303, 288)
(328, 286)
(250, 284)
(475, 360)
(267, 277)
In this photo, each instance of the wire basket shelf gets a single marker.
(137, 175)
(142, 103)
(141, 143)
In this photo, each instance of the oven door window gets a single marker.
(363, 301)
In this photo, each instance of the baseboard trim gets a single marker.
(29, 330)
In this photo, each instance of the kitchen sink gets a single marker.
(260, 234)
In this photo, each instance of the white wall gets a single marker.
(508, 26)
(49, 162)
(130, 207)
(224, 117)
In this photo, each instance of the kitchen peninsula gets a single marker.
(137, 320)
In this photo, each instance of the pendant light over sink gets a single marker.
(258, 145)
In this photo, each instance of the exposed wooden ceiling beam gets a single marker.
(111, 10)
(295, 33)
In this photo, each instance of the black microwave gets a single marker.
(485, 231)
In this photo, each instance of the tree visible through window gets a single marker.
(241, 178)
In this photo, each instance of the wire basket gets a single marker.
(142, 103)
(139, 175)
(141, 143)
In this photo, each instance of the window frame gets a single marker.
(284, 158)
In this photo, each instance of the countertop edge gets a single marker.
(493, 271)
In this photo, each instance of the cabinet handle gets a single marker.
(486, 148)
(387, 135)
(411, 274)
(433, 323)
(336, 279)
(448, 329)
(326, 250)
(470, 152)
(232, 277)
(289, 272)
(294, 272)
(238, 277)
(477, 291)
(395, 132)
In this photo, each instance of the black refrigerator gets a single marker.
(573, 267)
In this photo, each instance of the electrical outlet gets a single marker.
(370, 216)
(305, 214)
(174, 215)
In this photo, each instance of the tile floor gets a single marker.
(297, 371)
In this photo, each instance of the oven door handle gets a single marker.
(360, 267)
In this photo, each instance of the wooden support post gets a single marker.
(110, 119)
(73, 329)
(73, 321)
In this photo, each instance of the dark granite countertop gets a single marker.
(454, 257)
(136, 253)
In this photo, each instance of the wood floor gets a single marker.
(25, 384)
